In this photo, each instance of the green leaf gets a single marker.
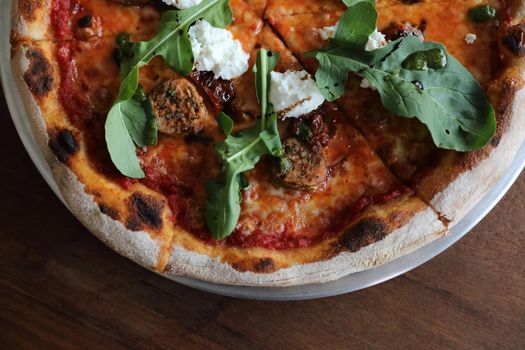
(223, 205)
(139, 119)
(240, 153)
(482, 13)
(173, 44)
(350, 3)
(264, 65)
(225, 123)
(363, 17)
(450, 103)
(346, 51)
(130, 123)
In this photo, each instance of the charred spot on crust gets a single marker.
(145, 211)
(27, 8)
(514, 39)
(63, 144)
(257, 265)
(264, 265)
(38, 75)
(362, 234)
(112, 213)
(85, 21)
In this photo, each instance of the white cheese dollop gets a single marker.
(471, 38)
(327, 32)
(182, 4)
(294, 93)
(376, 40)
(215, 50)
(365, 84)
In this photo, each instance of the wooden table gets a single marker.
(60, 288)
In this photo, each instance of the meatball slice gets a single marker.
(178, 107)
(303, 167)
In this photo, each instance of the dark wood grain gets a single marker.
(60, 288)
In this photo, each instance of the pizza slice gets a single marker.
(405, 144)
(67, 113)
(257, 6)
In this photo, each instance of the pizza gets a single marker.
(269, 142)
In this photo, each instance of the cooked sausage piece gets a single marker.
(303, 167)
(178, 107)
(316, 128)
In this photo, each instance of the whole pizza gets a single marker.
(271, 142)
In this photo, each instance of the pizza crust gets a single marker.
(462, 194)
(422, 229)
(30, 20)
(138, 246)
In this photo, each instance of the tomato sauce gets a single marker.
(182, 186)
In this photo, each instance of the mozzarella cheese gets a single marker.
(470, 38)
(215, 50)
(376, 40)
(294, 93)
(327, 32)
(365, 84)
(182, 4)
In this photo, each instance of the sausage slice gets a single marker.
(178, 107)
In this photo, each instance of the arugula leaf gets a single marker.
(241, 152)
(363, 18)
(225, 123)
(451, 102)
(350, 3)
(437, 89)
(264, 64)
(130, 123)
(173, 44)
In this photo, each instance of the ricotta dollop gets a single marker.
(470, 38)
(376, 40)
(327, 32)
(294, 93)
(215, 50)
(182, 4)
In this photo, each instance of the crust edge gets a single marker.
(417, 233)
(138, 246)
(469, 187)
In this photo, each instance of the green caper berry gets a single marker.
(482, 13)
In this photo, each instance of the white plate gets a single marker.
(346, 284)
